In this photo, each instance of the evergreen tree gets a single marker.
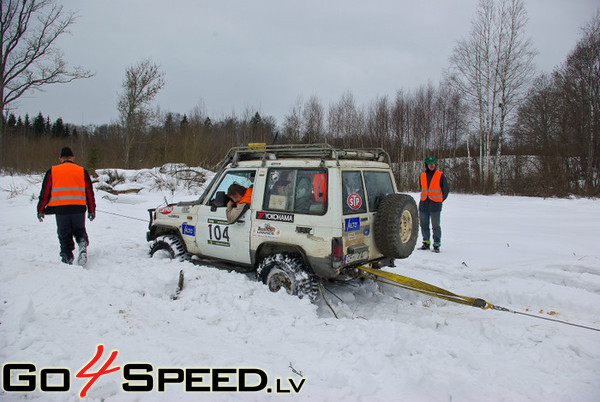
(184, 123)
(255, 122)
(12, 121)
(20, 126)
(58, 129)
(39, 125)
(94, 158)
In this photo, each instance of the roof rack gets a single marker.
(304, 151)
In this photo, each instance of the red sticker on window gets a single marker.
(354, 201)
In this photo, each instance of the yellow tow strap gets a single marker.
(431, 290)
(422, 287)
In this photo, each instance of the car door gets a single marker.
(217, 238)
(357, 222)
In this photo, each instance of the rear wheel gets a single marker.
(396, 226)
(287, 271)
(168, 246)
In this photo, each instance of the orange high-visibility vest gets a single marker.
(68, 185)
(247, 197)
(320, 187)
(434, 192)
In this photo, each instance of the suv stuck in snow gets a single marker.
(316, 212)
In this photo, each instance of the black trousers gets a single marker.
(71, 226)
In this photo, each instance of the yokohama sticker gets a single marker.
(275, 216)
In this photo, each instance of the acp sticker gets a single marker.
(351, 224)
(189, 230)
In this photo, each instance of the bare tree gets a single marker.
(292, 124)
(584, 65)
(579, 86)
(378, 122)
(346, 123)
(492, 69)
(313, 117)
(142, 83)
(29, 58)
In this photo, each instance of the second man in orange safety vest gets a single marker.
(434, 190)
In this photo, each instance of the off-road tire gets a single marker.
(288, 271)
(396, 226)
(170, 246)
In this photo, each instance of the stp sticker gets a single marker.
(354, 201)
(166, 210)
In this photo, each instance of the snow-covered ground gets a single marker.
(539, 256)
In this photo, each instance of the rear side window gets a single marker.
(353, 193)
(379, 184)
(301, 191)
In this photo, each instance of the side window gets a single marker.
(353, 193)
(311, 192)
(242, 177)
(296, 190)
(279, 192)
(379, 184)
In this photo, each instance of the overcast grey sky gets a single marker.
(230, 56)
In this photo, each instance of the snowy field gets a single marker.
(539, 256)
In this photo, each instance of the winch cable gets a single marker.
(432, 290)
(123, 216)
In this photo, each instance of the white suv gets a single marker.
(315, 212)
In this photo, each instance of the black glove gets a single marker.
(91, 216)
(41, 217)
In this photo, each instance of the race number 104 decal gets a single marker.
(218, 233)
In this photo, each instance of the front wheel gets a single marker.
(287, 271)
(168, 246)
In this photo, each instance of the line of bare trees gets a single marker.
(491, 125)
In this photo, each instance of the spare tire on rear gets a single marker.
(396, 226)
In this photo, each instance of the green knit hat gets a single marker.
(430, 160)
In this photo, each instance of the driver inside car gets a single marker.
(239, 203)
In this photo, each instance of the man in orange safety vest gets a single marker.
(67, 192)
(434, 190)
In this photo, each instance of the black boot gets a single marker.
(67, 259)
(425, 246)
